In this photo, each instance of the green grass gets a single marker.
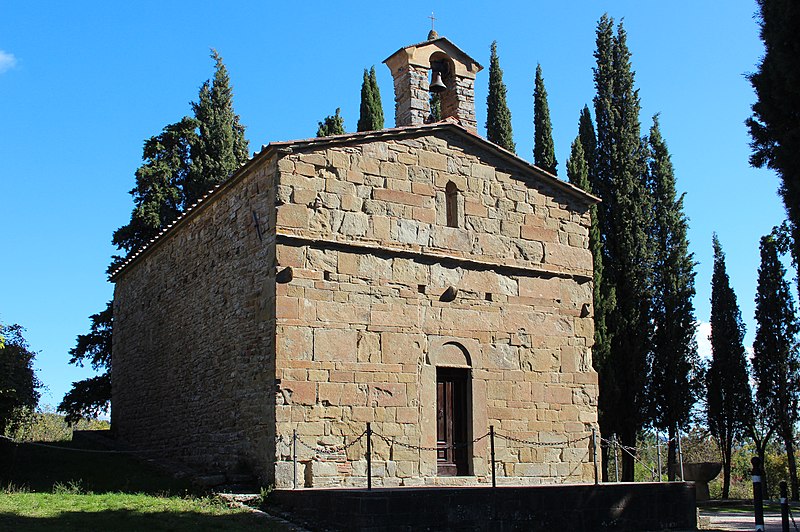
(62, 488)
(121, 512)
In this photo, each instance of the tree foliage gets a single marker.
(544, 151)
(371, 115)
(436, 107)
(774, 125)
(181, 164)
(332, 125)
(498, 117)
(220, 147)
(674, 386)
(776, 365)
(625, 219)
(19, 386)
(729, 407)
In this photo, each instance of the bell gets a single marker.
(437, 85)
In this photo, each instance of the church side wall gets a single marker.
(193, 344)
(363, 324)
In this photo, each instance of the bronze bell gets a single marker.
(437, 85)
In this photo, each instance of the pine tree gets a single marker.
(544, 152)
(776, 365)
(371, 115)
(625, 219)
(158, 197)
(498, 117)
(181, 164)
(773, 125)
(674, 387)
(220, 148)
(91, 397)
(729, 406)
(332, 125)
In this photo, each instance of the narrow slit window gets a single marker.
(451, 204)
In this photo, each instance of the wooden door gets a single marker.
(452, 411)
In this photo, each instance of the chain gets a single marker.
(541, 444)
(791, 515)
(333, 449)
(628, 450)
(392, 441)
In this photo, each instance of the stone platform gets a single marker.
(578, 507)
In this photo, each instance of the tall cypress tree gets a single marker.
(729, 405)
(603, 295)
(332, 125)
(674, 386)
(498, 117)
(589, 143)
(625, 219)
(773, 125)
(220, 147)
(371, 110)
(544, 151)
(776, 365)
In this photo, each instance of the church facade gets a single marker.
(420, 279)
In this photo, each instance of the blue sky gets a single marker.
(83, 84)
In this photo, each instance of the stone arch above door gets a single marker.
(449, 351)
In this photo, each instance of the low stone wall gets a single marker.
(624, 506)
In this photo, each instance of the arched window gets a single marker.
(451, 204)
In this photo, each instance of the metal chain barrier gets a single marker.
(539, 443)
(632, 452)
(392, 441)
(332, 449)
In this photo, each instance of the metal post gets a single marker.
(658, 452)
(784, 507)
(369, 456)
(594, 451)
(491, 445)
(758, 496)
(616, 459)
(680, 451)
(294, 456)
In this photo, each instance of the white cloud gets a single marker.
(702, 332)
(7, 61)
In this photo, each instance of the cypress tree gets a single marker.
(580, 175)
(332, 125)
(498, 117)
(773, 125)
(436, 107)
(674, 387)
(589, 143)
(371, 110)
(776, 365)
(625, 219)
(729, 405)
(220, 147)
(544, 152)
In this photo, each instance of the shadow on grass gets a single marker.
(123, 520)
(40, 469)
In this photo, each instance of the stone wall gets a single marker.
(193, 370)
(361, 326)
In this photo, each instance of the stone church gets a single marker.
(420, 279)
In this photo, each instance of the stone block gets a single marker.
(435, 161)
(300, 393)
(291, 215)
(335, 345)
(387, 394)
